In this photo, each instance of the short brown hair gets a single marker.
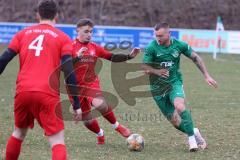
(47, 9)
(85, 22)
(161, 25)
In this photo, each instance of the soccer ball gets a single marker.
(135, 142)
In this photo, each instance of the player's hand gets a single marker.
(211, 82)
(162, 73)
(81, 51)
(77, 115)
(134, 52)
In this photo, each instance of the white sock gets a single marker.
(100, 133)
(192, 142)
(195, 130)
(115, 125)
(192, 138)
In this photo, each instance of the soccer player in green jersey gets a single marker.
(161, 61)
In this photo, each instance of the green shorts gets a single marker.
(165, 101)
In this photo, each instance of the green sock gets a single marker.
(180, 128)
(186, 124)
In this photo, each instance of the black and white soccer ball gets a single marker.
(135, 142)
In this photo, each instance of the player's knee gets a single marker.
(176, 119)
(180, 107)
(20, 133)
(57, 138)
(99, 103)
(179, 104)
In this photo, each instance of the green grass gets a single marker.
(216, 112)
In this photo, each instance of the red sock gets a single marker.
(109, 115)
(93, 126)
(13, 148)
(59, 152)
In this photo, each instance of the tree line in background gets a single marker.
(196, 14)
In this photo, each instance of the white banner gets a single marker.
(234, 42)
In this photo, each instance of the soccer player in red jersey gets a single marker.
(88, 80)
(41, 49)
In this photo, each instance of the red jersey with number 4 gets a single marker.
(40, 48)
(85, 68)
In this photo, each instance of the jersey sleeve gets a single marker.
(186, 49)
(148, 55)
(66, 47)
(15, 43)
(103, 53)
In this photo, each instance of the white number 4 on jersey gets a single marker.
(36, 44)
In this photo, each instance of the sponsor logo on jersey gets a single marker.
(175, 54)
(167, 64)
(87, 59)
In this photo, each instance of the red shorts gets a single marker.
(88, 93)
(38, 105)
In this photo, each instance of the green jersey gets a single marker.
(159, 56)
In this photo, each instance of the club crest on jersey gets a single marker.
(175, 54)
(92, 53)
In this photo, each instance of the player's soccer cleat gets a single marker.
(200, 140)
(100, 140)
(193, 147)
(125, 132)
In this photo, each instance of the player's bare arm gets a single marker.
(115, 57)
(159, 72)
(201, 66)
(124, 57)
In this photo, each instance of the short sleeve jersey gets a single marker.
(160, 56)
(40, 48)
